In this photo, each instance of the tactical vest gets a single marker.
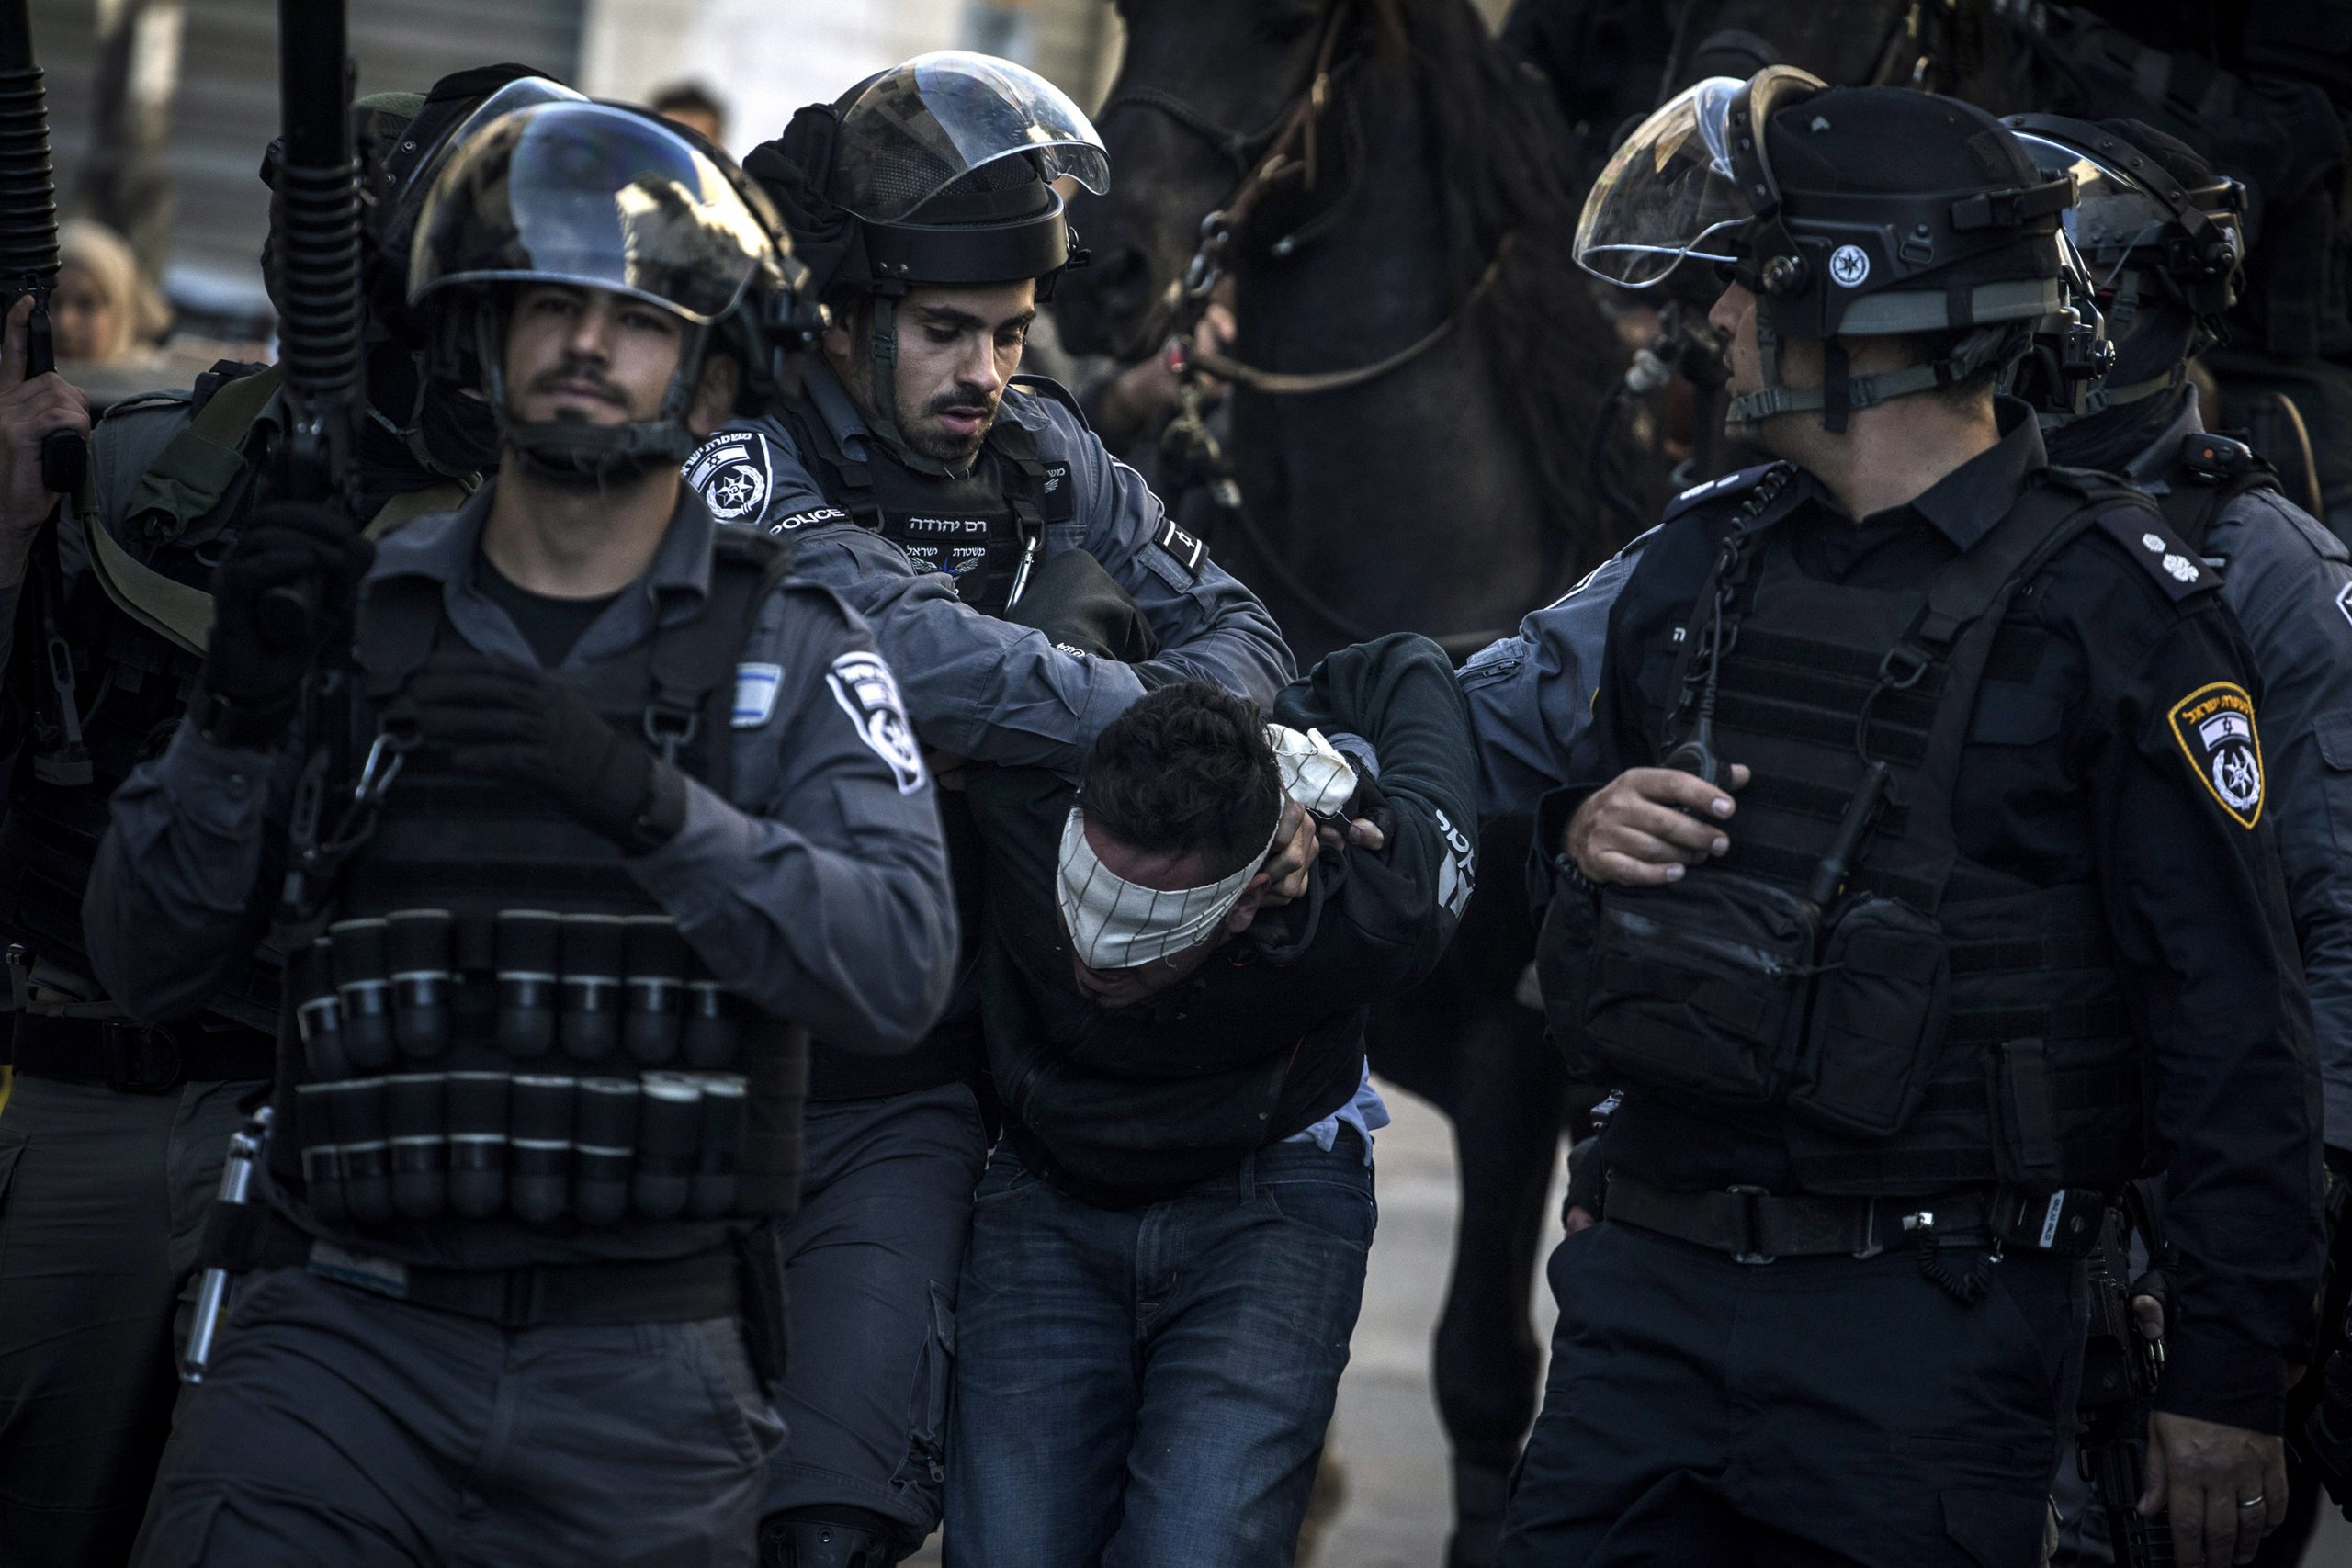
(1920, 1023)
(986, 528)
(502, 1051)
(104, 674)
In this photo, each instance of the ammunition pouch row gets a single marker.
(599, 988)
(540, 1147)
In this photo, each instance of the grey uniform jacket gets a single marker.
(2290, 581)
(984, 688)
(817, 889)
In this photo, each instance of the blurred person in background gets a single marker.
(691, 103)
(102, 310)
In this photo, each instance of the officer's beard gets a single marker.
(940, 444)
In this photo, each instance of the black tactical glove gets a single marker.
(251, 680)
(1078, 604)
(513, 722)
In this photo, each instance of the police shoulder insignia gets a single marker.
(869, 692)
(1181, 548)
(732, 474)
(2142, 531)
(1729, 485)
(2215, 727)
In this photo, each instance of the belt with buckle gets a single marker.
(137, 1058)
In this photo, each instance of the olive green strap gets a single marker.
(181, 612)
(195, 469)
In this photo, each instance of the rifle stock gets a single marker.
(317, 236)
(28, 224)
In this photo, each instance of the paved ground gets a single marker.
(1396, 1507)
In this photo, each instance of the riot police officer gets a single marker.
(921, 476)
(1999, 876)
(600, 813)
(114, 1135)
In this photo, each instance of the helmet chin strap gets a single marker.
(571, 451)
(883, 348)
(1841, 393)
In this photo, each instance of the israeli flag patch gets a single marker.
(756, 688)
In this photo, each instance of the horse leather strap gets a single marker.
(1289, 384)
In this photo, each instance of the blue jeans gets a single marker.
(1136, 1388)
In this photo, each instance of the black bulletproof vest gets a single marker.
(2034, 1082)
(979, 528)
(500, 859)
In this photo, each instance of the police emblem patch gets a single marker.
(2344, 600)
(869, 692)
(2215, 727)
(732, 474)
(1850, 266)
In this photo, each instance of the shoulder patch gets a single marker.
(869, 692)
(1730, 484)
(732, 473)
(755, 689)
(2215, 727)
(2148, 539)
(1183, 548)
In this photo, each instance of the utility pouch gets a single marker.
(415, 1120)
(2023, 1100)
(1877, 1020)
(1697, 987)
(758, 1265)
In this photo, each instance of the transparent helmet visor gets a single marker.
(1668, 193)
(915, 129)
(595, 196)
(2113, 214)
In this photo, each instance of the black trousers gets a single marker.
(1810, 1412)
(102, 1202)
(340, 1428)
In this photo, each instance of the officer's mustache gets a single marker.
(964, 400)
(579, 375)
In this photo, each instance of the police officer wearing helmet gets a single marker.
(944, 497)
(106, 1118)
(2160, 233)
(1995, 926)
(600, 814)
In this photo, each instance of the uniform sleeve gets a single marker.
(1531, 696)
(2188, 870)
(2293, 605)
(1405, 902)
(975, 686)
(1210, 627)
(184, 881)
(828, 901)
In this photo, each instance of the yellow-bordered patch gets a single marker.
(2215, 727)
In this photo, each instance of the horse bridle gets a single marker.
(1260, 157)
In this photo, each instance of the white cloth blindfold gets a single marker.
(1117, 924)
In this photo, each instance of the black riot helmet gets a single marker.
(2162, 237)
(1848, 212)
(937, 172)
(609, 197)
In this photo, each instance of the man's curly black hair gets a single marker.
(1187, 769)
